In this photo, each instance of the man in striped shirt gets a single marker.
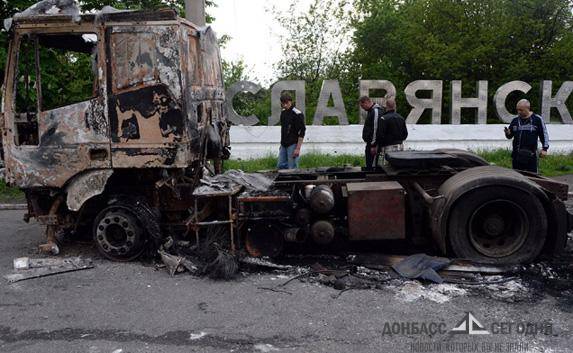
(525, 130)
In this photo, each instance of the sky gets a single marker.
(254, 32)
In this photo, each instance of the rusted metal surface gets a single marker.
(264, 198)
(86, 186)
(560, 189)
(51, 246)
(157, 85)
(157, 104)
(376, 211)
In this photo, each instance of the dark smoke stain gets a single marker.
(149, 101)
(52, 137)
(130, 128)
(144, 59)
(168, 154)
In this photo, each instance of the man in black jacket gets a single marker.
(370, 130)
(393, 130)
(525, 129)
(292, 134)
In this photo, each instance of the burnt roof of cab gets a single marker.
(164, 14)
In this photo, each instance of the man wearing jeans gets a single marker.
(370, 130)
(292, 134)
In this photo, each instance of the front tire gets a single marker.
(118, 234)
(499, 225)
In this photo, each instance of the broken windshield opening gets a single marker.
(54, 70)
(68, 66)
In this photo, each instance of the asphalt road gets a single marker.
(134, 307)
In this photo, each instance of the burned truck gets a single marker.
(129, 163)
(151, 116)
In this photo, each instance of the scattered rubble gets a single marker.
(27, 268)
(422, 266)
(439, 293)
(232, 180)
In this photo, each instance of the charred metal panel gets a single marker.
(71, 139)
(84, 122)
(146, 115)
(148, 124)
(146, 156)
(376, 210)
(211, 59)
(85, 187)
(50, 166)
(146, 53)
(139, 16)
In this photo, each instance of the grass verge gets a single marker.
(552, 165)
(9, 194)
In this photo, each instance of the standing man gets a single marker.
(292, 134)
(394, 130)
(370, 130)
(525, 129)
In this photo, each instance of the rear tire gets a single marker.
(498, 225)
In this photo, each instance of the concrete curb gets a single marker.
(13, 206)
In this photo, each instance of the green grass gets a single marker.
(311, 160)
(9, 194)
(552, 165)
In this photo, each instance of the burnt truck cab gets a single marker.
(151, 111)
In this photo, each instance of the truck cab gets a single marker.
(129, 97)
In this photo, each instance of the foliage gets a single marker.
(9, 194)
(245, 103)
(314, 47)
(495, 40)
(403, 41)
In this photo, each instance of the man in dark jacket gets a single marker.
(370, 130)
(393, 130)
(292, 134)
(525, 130)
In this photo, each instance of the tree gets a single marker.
(469, 40)
(314, 48)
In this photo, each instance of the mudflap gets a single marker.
(560, 223)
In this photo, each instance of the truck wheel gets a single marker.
(118, 234)
(497, 225)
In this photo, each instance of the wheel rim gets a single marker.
(498, 228)
(117, 234)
